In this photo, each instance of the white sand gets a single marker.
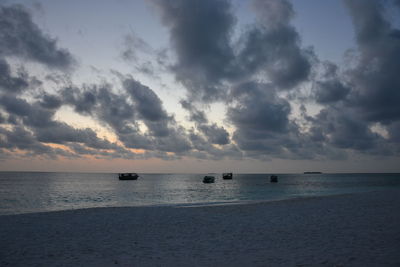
(348, 230)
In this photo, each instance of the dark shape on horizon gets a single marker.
(312, 172)
(128, 176)
(227, 176)
(274, 179)
(208, 179)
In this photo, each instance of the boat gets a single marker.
(227, 176)
(312, 172)
(208, 179)
(128, 176)
(274, 179)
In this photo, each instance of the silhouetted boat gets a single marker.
(274, 179)
(208, 179)
(128, 176)
(312, 172)
(227, 175)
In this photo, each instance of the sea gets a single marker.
(27, 192)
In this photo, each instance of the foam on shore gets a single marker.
(358, 229)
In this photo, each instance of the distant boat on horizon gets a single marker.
(227, 176)
(273, 179)
(128, 176)
(208, 179)
(312, 172)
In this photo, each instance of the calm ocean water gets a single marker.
(22, 192)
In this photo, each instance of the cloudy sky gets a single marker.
(200, 85)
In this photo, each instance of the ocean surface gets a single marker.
(24, 192)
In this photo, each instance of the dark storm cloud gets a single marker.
(375, 79)
(2, 119)
(198, 141)
(343, 129)
(123, 111)
(149, 107)
(196, 115)
(111, 109)
(82, 100)
(10, 83)
(148, 104)
(114, 109)
(330, 91)
(365, 93)
(267, 145)
(272, 46)
(203, 148)
(264, 130)
(259, 108)
(133, 138)
(15, 106)
(207, 58)
(43, 127)
(369, 22)
(260, 117)
(175, 142)
(215, 134)
(330, 88)
(50, 101)
(165, 134)
(62, 133)
(200, 33)
(30, 114)
(102, 103)
(22, 139)
(18, 137)
(210, 64)
(20, 36)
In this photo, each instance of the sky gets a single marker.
(270, 86)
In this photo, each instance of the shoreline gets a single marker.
(203, 204)
(359, 229)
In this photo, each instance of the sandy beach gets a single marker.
(348, 230)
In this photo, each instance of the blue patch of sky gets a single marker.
(325, 25)
(93, 31)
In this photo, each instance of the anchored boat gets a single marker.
(128, 176)
(227, 176)
(208, 179)
(274, 179)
